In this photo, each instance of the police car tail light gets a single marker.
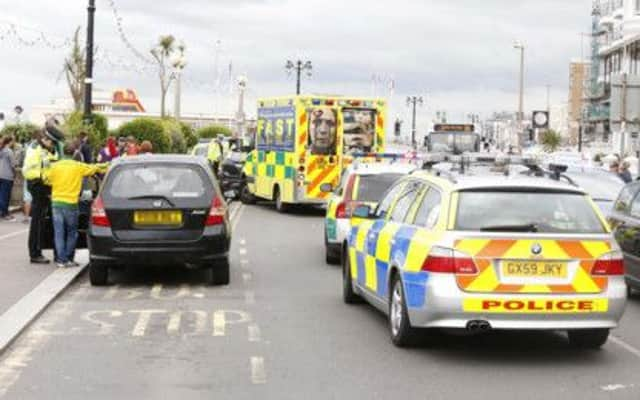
(341, 210)
(216, 213)
(99, 214)
(449, 261)
(609, 264)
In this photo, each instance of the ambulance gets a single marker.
(303, 142)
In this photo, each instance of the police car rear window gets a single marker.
(371, 188)
(526, 211)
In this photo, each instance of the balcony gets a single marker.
(611, 9)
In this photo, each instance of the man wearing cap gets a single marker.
(38, 158)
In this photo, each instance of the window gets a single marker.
(635, 207)
(406, 200)
(169, 181)
(387, 201)
(371, 188)
(429, 211)
(624, 200)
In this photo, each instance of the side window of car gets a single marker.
(405, 201)
(635, 207)
(387, 201)
(429, 210)
(624, 200)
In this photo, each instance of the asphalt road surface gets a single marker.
(281, 331)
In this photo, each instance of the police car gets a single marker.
(361, 183)
(498, 251)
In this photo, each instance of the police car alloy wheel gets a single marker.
(402, 334)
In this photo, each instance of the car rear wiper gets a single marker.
(511, 228)
(152, 197)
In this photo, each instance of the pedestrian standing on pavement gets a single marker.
(624, 172)
(109, 151)
(7, 176)
(132, 146)
(65, 178)
(85, 147)
(38, 158)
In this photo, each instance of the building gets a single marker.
(614, 92)
(578, 92)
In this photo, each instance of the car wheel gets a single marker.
(220, 272)
(348, 294)
(588, 338)
(331, 256)
(98, 274)
(246, 197)
(402, 334)
(280, 206)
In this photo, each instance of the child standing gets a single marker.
(65, 178)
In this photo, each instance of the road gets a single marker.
(281, 331)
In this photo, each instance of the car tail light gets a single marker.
(99, 214)
(216, 213)
(449, 261)
(610, 264)
(341, 211)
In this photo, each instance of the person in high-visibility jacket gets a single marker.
(39, 155)
(215, 154)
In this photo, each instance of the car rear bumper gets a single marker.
(446, 306)
(337, 230)
(103, 248)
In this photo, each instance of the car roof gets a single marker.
(460, 182)
(159, 158)
(381, 168)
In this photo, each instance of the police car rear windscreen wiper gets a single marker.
(511, 228)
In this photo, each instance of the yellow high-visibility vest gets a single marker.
(214, 154)
(36, 160)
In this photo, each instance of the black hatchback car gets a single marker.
(159, 210)
(625, 221)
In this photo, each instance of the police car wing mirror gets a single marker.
(326, 188)
(363, 211)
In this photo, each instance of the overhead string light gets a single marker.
(123, 36)
(14, 33)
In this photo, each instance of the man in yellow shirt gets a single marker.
(65, 178)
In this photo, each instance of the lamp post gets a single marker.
(520, 46)
(178, 63)
(240, 115)
(414, 101)
(88, 80)
(299, 66)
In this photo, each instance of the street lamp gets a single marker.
(414, 101)
(178, 63)
(242, 82)
(520, 46)
(299, 66)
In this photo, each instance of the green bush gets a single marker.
(174, 130)
(20, 132)
(551, 140)
(189, 135)
(98, 130)
(212, 131)
(149, 129)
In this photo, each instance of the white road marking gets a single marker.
(254, 332)
(14, 234)
(246, 277)
(105, 328)
(111, 293)
(242, 251)
(616, 386)
(156, 292)
(243, 242)
(221, 320)
(143, 320)
(244, 262)
(249, 297)
(237, 217)
(175, 321)
(625, 345)
(258, 374)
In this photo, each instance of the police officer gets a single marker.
(39, 155)
(214, 155)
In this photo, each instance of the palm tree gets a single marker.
(162, 53)
(75, 71)
(551, 140)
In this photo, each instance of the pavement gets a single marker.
(281, 331)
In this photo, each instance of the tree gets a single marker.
(189, 134)
(75, 71)
(20, 132)
(212, 131)
(98, 129)
(163, 53)
(149, 129)
(551, 140)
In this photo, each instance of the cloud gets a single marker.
(457, 53)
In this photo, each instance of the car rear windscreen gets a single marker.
(166, 180)
(371, 188)
(523, 211)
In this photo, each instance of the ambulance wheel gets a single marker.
(98, 274)
(246, 197)
(281, 207)
(588, 338)
(348, 294)
(402, 334)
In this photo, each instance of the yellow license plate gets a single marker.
(157, 218)
(534, 269)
